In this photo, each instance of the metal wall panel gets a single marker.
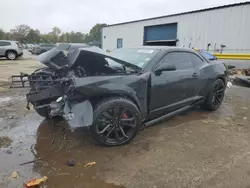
(227, 26)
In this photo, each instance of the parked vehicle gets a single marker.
(116, 94)
(30, 46)
(43, 48)
(34, 48)
(24, 46)
(10, 49)
(209, 56)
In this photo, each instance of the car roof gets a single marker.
(8, 41)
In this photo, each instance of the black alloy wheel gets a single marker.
(218, 93)
(215, 97)
(116, 125)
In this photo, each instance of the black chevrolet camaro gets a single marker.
(116, 94)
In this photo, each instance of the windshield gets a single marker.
(136, 56)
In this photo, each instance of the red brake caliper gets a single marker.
(124, 116)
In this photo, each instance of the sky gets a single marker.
(81, 15)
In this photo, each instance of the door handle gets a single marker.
(195, 75)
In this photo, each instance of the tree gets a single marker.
(33, 36)
(20, 32)
(95, 33)
(55, 34)
(2, 34)
(25, 33)
(77, 37)
(88, 38)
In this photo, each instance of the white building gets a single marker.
(210, 28)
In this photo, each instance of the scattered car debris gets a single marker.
(14, 175)
(30, 162)
(35, 182)
(235, 71)
(242, 81)
(71, 162)
(229, 84)
(90, 164)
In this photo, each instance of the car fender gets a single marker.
(112, 89)
(209, 75)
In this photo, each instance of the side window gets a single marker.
(197, 61)
(180, 59)
(4, 43)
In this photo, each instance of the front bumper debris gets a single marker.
(44, 94)
(56, 109)
(79, 114)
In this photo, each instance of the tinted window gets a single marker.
(195, 60)
(4, 43)
(180, 59)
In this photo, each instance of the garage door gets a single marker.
(160, 33)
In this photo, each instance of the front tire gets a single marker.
(216, 96)
(116, 121)
(11, 55)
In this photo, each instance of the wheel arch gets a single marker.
(95, 99)
(10, 50)
(221, 78)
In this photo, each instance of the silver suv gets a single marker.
(10, 49)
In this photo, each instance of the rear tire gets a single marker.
(116, 121)
(215, 97)
(11, 55)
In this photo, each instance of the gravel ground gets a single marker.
(194, 149)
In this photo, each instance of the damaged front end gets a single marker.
(64, 88)
(43, 87)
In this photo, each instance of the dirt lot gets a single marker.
(195, 149)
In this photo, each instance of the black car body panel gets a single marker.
(155, 93)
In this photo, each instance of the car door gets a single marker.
(172, 90)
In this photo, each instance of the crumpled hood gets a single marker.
(58, 58)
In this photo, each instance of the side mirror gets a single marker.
(165, 67)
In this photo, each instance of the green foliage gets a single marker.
(26, 34)
(33, 36)
(96, 32)
(2, 34)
